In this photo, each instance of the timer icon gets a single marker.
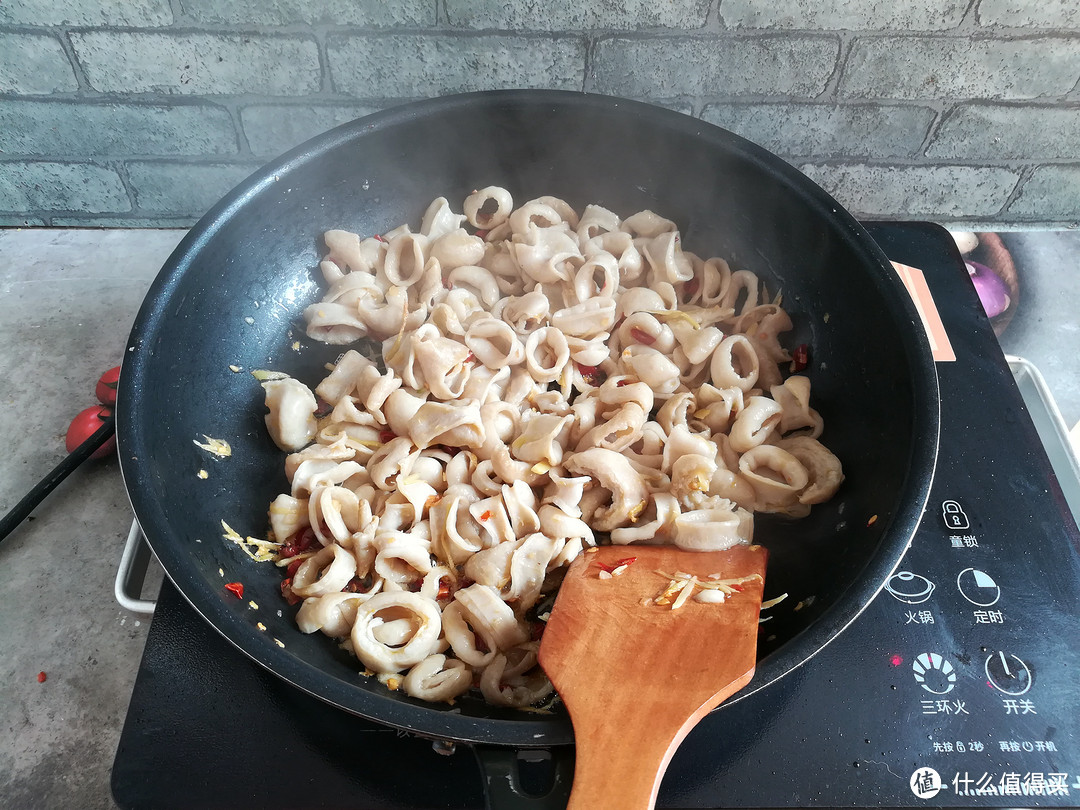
(1007, 673)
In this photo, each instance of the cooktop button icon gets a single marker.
(954, 516)
(911, 588)
(934, 673)
(978, 587)
(1007, 673)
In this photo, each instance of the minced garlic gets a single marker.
(219, 447)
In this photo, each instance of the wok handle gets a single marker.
(499, 767)
(20, 511)
(127, 588)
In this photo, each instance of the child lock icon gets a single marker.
(954, 516)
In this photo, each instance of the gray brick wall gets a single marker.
(145, 112)
(669, 67)
(403, 65)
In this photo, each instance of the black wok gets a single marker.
(232, 293)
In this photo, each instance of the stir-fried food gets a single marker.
(523, 384)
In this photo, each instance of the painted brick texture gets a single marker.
(86, 12)
(72, 129)
(827, 130)
(34, 64)
(180, 188)
(923, 191)
(664, 67)
(375, 13)
(913, 15)
(572, 16)
(416, 65)
(275, 128)
(1050, 192)
(1043, 14)
(950, 67)
(1007, 132)
(197, 64)
(49, 186)
(148, 111)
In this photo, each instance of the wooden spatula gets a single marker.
(636, 675)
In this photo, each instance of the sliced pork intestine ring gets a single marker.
(547, 382)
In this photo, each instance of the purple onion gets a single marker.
(993, 292)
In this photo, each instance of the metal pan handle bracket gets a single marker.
(129, 577)
(501, 770)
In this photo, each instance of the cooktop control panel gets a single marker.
(958, 686)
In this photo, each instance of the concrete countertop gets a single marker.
(67, 301)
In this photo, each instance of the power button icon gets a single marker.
(954, 516)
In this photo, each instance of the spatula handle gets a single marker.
(623, 762)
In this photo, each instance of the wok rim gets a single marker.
(525, 732)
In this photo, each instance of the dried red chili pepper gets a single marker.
(617, 564)
(482, 233)
(287, 592)
(235, 588)
(41, 677)
(307, 538)
(444, 590)
(387, 436)
(291, 568)
(379, 237)
(641, 336)
(299, 542)
(800, 358)
(592, 375)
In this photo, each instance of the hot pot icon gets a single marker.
(910, 588)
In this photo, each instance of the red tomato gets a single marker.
(85, 425)
(106, 386)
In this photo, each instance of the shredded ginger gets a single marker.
(258, 550)
(681, 588)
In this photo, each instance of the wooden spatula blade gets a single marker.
(636, 675)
